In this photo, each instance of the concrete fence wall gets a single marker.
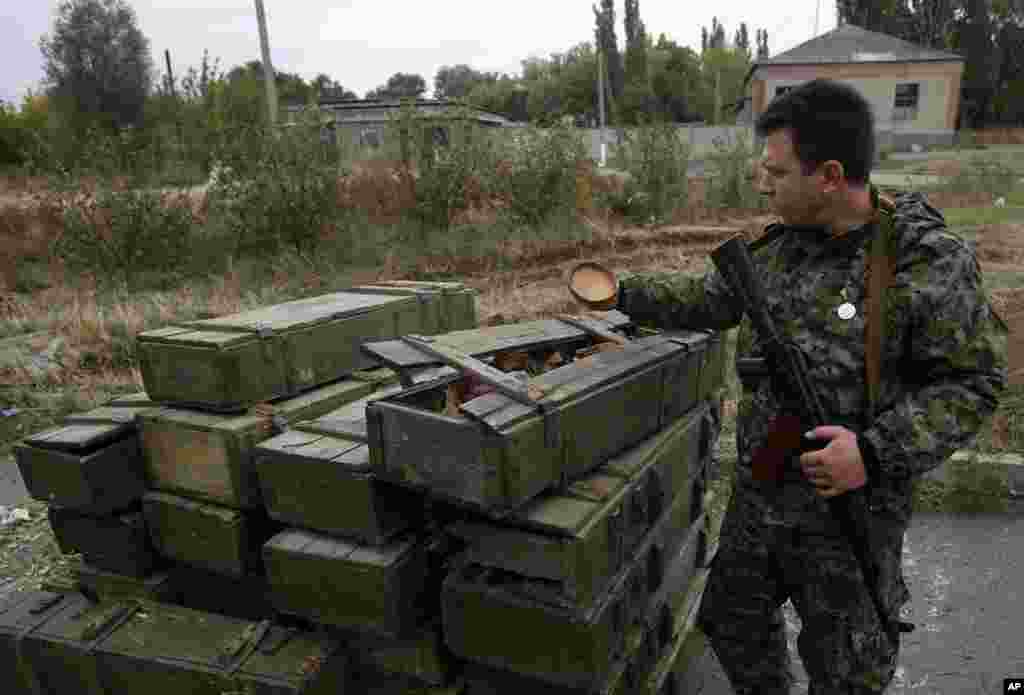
(701, 139)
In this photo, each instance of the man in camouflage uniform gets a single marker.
(943, 366)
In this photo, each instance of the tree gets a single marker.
(97, 62)
(742, 41)
(327, 88)
(762, 44)
(401, 85)
(457, 81)
(675, 79)
(608, 46)
(638, 98)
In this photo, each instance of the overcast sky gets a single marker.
(361, 43)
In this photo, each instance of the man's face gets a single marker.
(797, 199)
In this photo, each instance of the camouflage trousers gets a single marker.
(759, 566)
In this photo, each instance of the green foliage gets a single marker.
(453, 155)
(97, 62)
(730, 185)
(675, 79)
(20, 133)
(540, 184)
(656, 159)
(276, 188)
(401, 85)
(121, 237)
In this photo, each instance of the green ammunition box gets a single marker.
(580, 538)
(206, 456)
(387, 591)
(591, 412)
(92, 463)
(566, 647)
(228, 363)
(220, 539)
(116, 543)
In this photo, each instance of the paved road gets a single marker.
(966, 578)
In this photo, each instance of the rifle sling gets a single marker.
(879, 271)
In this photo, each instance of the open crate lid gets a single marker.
(485, 342)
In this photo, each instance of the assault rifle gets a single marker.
(786, 366)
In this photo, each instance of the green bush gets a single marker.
(657, 161)
(731, 183)
(123, 237)
(539, 183)
(274, 190)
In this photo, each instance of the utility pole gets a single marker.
(268, 68)
(170, 72)
(600, 102)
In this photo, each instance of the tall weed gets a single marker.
(123, 237)
(276, 189)
(539, 178)
(657, 161)
(730, 184)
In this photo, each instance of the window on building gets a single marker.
(904, 107)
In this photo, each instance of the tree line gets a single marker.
(100, 75)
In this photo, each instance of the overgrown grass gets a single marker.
(976, 216)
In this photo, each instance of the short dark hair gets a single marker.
(828, 120)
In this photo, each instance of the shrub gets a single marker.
(730, 185)
(540, 176)
(123, 236)
(276, 189)
(657, 161)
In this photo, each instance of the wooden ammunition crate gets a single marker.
(228, 363)
(46, 640)
(446, 306)
(206, 456)
(504, 620)
(484, 343)
(500, 453)
(387, 591)
(117, 543)
(422, 657)
(246, 598)
(92, 463)
(547, 662)
(113, 586)
(373, 682)
(581, 537)
(325, 484)
(220, 539)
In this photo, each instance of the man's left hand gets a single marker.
(837, 468)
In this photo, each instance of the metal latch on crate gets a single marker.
(525, 393)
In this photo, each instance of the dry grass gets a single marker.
(999, 136)
(29, 556)
(944, 167)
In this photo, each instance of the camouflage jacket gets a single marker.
(944, 357)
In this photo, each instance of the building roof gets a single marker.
(369, 110)
(848, 43)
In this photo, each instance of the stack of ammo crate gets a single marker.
(319, 497)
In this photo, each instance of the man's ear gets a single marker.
(833, 175)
